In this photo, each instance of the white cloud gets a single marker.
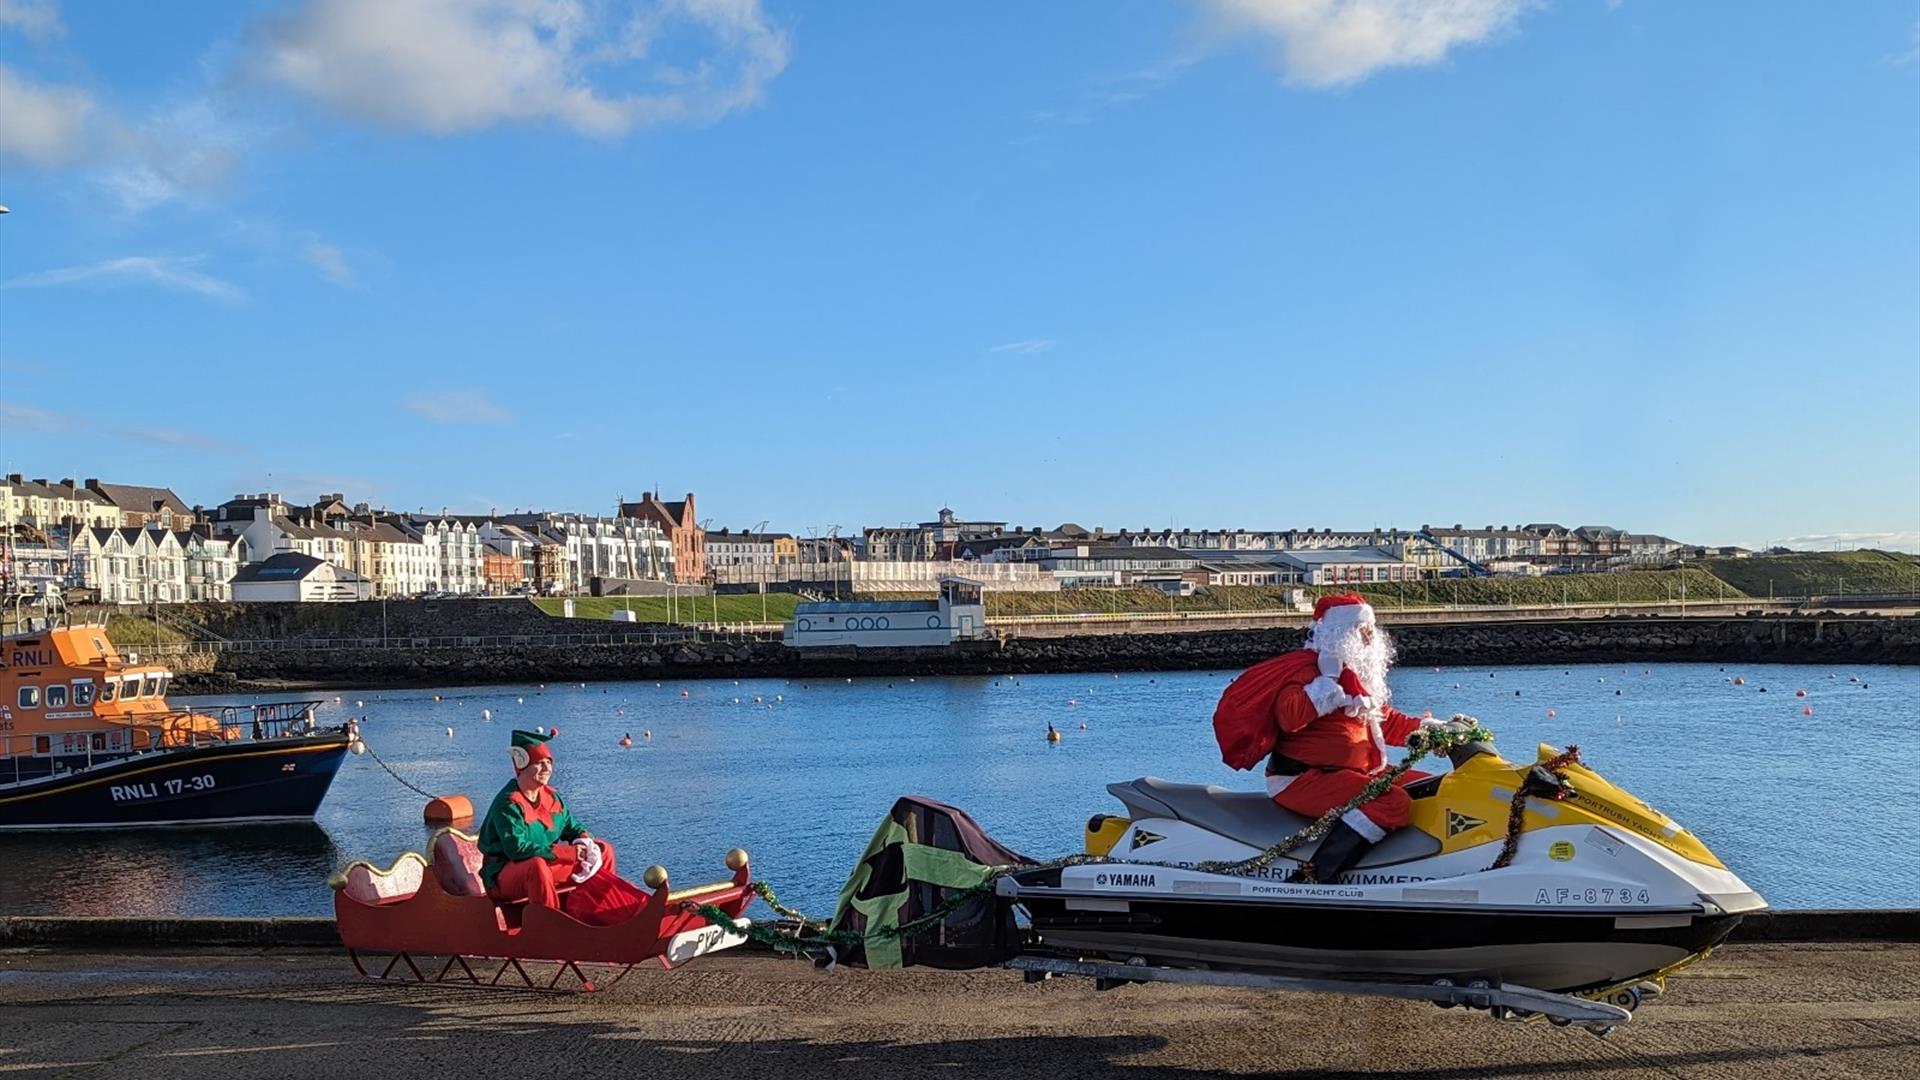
(462, 405)
(330, 261)
(451, 66)
(44, 126)
(1028, 347)
(170, 271)
(1326, 43)
(38, 19)
(183, 147)
(1846, 541)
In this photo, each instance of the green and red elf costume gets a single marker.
(527, 841)
(527, 837)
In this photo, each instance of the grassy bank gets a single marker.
(686, 609)
(1877, 573)
(133, 631)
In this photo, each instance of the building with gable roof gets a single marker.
(683, 531)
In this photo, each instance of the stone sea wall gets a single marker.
(1761, 639)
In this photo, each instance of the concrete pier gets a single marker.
(1832, 1009)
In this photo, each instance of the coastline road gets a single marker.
(1833, 1009)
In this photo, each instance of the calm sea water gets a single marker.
(1812, 811)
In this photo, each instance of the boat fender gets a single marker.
(449, 808)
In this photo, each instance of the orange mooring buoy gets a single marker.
(448, 808)
(1806, 710)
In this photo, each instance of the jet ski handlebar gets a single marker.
(1457, 738)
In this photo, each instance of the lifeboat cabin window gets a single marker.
(29, 697)
(43, 745)
(56, 696)
(98, 740)
(152, 687)
(83, 692)
(130, 688)
(107, 688)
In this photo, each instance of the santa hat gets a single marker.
(528, 747)
(1335, 614)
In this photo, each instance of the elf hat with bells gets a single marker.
(528, 747)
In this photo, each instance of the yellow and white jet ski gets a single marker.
(1600, 898)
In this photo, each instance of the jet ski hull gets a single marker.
(1555, 952)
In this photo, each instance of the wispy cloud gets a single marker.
(1327, 43)
(447, 68)
(176, 438)
(1097, 96)
(169, 271)
(29, 418)
(1911, 55)
(189, 146)
(1028, 347)
(462, 405)
(38, 19)
(330, 261)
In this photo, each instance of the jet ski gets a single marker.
(1600, 897)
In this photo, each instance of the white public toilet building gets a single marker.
(959, 613)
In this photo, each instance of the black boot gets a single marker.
(1338, 851)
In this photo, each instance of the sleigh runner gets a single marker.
(427, 911)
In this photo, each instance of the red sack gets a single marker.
(1243, 722)
(605, 899)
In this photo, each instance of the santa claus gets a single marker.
(1324, 713)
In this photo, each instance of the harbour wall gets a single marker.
(639, 653)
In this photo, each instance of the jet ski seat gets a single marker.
(1250, 817)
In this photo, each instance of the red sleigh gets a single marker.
(437, 907)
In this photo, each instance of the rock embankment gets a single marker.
(495, 658)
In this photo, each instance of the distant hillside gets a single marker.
(1625, 586)
(1820, 573)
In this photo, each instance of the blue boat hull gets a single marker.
(239, 782)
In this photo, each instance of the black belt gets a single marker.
(1282, 765)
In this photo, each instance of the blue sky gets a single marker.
(1206, 263)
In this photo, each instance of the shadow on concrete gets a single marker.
(376, 1031)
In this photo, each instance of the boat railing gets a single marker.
(169, 731)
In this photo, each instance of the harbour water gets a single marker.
(1813, 810)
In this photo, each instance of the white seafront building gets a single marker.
(958, 613)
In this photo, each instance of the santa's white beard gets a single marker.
(1370, 662)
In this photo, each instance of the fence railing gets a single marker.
(748, 633)
(176, 729)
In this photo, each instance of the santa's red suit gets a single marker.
(1333, 728)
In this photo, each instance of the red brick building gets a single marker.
(682, 526)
